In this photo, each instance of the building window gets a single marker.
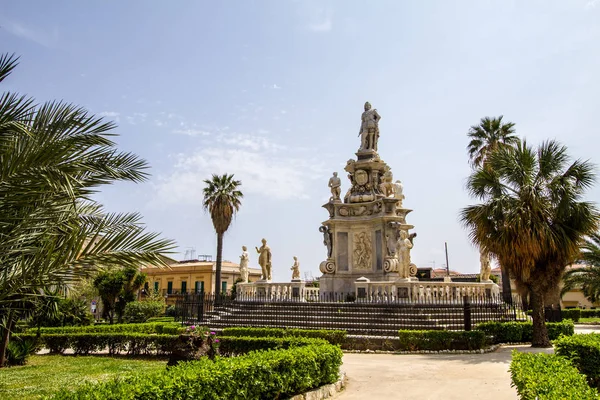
(156, 287)
(170, 287)
(183, 286)
(199, 287)
(224, 286)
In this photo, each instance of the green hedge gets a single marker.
(410, 340)
(584, 352)
(161, 319)
(595, 313)
(515, 332)
(542, 376)
(332, 336)
(152, 327)
(258, 375)
(235, 345)
(115, 342)
(571, 313)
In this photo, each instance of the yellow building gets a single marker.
(194, 276)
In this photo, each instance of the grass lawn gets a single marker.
(595, 320)
(45, 374)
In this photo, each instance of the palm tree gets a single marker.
(588, 278)
(532, 218)
(222, 199)
(490, 135)
(53, 157)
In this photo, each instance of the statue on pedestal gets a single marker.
(486, 268)
(335, 184)
(264, 260)
(369, 128)
(327, 239)
(404, 245)
(386, 186)
(244, 260)
(399, 192)
(295, 269)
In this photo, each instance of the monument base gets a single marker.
(333, 284)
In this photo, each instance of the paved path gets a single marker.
(430, 376)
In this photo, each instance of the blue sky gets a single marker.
(272, 91)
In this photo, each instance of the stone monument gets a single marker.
(295, 269)
(335, 183)
(244, 260)
(264, 260)
(366, 235)
(486, 267)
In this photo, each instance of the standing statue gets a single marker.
(486, 267)
(244, 260)
(392, 235)
(264, 260)
(295, 269)
(327, 239)
(398, 193)
(369, 128)
(386, 186)
(335, 184)
(404, 244)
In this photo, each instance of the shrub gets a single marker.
(332, 336)
(258, 375)
(572, 313)
(19, 350)
(236, 345)
(548, 377)
(584, 352)
(161, 319)
(154, 327)
(514, 332)
(595, 313)
(411, 340)
(141, 311)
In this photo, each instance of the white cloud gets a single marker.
(592, 4)
(192, 132)
(324, 25)
(275, 86)
(110, 114)
(136, 118)
(255, 160)
(46, 39)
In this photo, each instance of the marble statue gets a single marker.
(244, 260)
(295, 269)
(327, 239)
(264, 260)
(369, 128)
(335, 184)
(392, 235)
(362, 251)
(398, 192)
(486, 268)
(404, 244)
(386, 186)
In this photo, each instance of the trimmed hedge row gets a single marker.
(332, 336)
(86, 343)
(539, 376)
(584, 352)
(161, 319)
(572, 313)
(166, 328)
(515, 332)
(235, 345)
(410, 340)
(258, 375)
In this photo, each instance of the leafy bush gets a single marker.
(515, 332)
(411, 340)
(258, 375)
(86, 343)
(332, 336)
(154, 327)
(236, 345)
(161, 319)
(19, 350)
(584, 352)
(62, 312)
(171, 311)
(140, 311)
(548, 377)
(572, 313)
(595, 313)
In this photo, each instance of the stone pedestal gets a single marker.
(261, 288)
(297, 287)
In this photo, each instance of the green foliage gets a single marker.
(149, 327)
(548, 377)
(584, 352)
(18, 351)
(332, 336)
(257, 375)
(117, 288)
(516, 332)
(161, 319)
(588, 278)
(595, 313)
(571, 313)
(69, 312)
(412, 340)
(236, 345)
(141, 311)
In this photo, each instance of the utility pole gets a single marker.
(447, 265)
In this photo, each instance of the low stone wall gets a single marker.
(324, 392)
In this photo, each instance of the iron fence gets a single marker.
(344, 311)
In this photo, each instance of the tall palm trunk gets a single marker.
(5, 339)
(506, 290)
(218, 268)
(540, 333)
